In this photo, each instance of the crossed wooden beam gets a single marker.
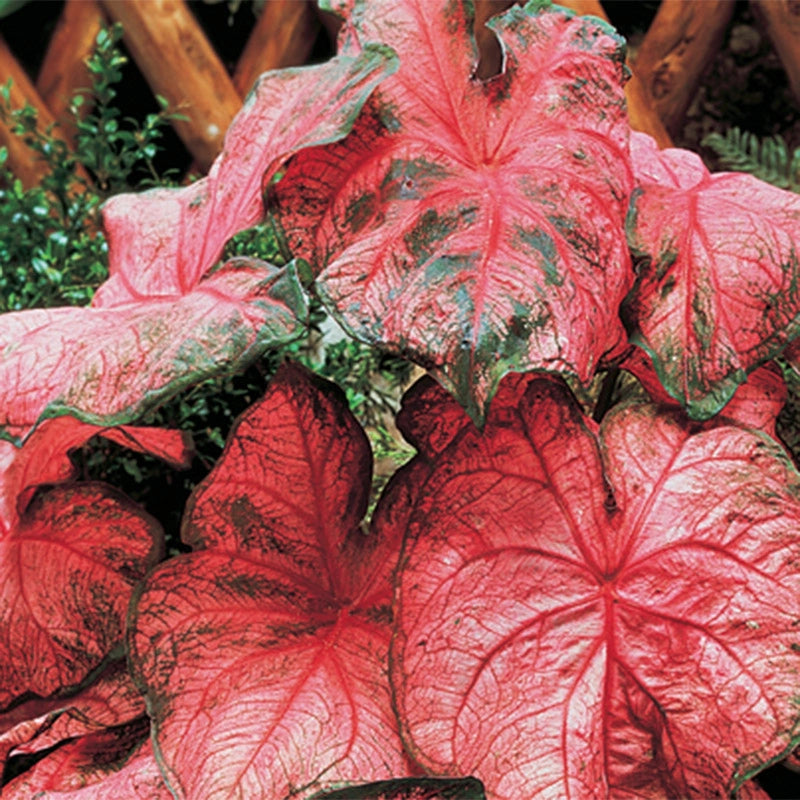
(175, 57)
(180, 64)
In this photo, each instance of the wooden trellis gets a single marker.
(179, 63)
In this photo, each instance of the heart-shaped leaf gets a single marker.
(67, 572)
(718, 291)
(476, 227)
(264, 654)
(612, 614)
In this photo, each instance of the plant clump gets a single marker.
(558, 590)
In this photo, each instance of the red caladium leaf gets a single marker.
(67, 571)
(476, 227)
(756, 403)
(44, 458)
(164, 320)
(111, 365)
(718, 291)
(586, 614)
(117, 762)
(263, 655)
(41, 723)
(750, 790)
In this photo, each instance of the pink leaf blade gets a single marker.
(429, 418)
(475, 259)
(299, 686)
(717, 293)
(44, 457)
(37, 724)
(296, 459)
(117, 762)
(283, 610)
(163, 242)
(174, 448)
(667, 669)
(68, 572)
(756, 403)
(110, 366)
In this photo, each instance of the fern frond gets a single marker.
(767, 158)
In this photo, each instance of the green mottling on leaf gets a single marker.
(702, 324)
(255, 586)
(669, 285)
(430, 231)
(442, 268)
(359, 211)
(536, 241)
(452, 16)
(667, 258)
(389, 115)
(411, 180)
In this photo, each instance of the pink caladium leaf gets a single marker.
(164, 241)
(601, 614)
(756, 403)
(111, 365)
(37, 724)
(263, 654)
(44, 457)
(67, 572)
(718, 289)
(475, 227)
(114, 763)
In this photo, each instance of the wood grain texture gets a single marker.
(282, 37)
(63, 71)
(781, 19)
(23, 162)
(679, 45)
(178, 63)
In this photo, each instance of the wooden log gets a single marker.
(23, 162)
(781, 19)
(641, 108)
(63, 71)
(283, 36)
(680, 43)
(178, 63)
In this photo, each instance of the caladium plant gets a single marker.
(475, 226)
(567, 592)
